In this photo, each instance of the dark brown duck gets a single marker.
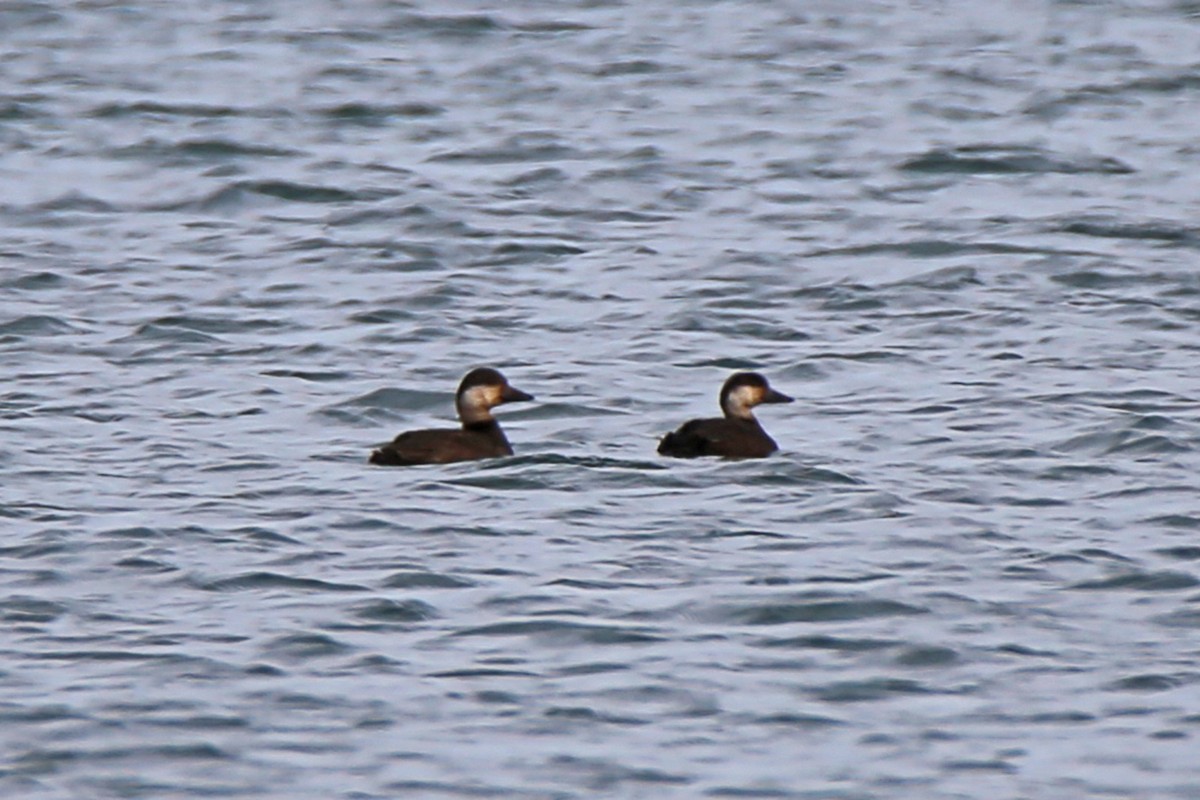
(737, 434)
(479, 437)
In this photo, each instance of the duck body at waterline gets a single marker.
(479, 437)
(738, 434)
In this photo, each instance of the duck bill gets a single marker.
(511, 394)
(773, 396)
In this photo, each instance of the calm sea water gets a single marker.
(242, 243)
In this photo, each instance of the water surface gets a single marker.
(244, 243)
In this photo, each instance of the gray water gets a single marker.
(243, 243)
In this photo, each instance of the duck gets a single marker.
(736, 435)
(480, 436)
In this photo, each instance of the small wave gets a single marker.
(637, 66)
(190, 110)
(937, 248)
(980, 765)
(138, 532)
(383, 316)
(936, 408)
(152, 332)
(448, 26)
(558, 459)
(724, 363)
(316, 376)
(1121, 442)
(788, 719)
(1142, 582)
(425, 580)
(200, 150)
(1119, 93)
(818, 609)
(1110, 228)
(36, 325)
(516, 149)
(553, 24)
(235, 196)
(148, 565)
(384, 405)
(604, 775)
(853, 298)
(530, 252)
(870, 356)
(565, 632)
(735, 326)
(1185, 521)
(538, 475)
(92, 412)
(219, 324)
(50, 712)
(248, 581)
(19, 110)
(1182, 618)
(305, 647)
(1096, 279)
(1182, 552)
(390, 398)
(484, 672)
(1139, 399)
(539, 178)
(792, 474)
(46, 760)
(378, 114)
(23, 610)
(571, 410)
(600, 586)
(1151, 682)
(870, 690)
(591, 715)
(35, 281)
(826, 642)
(1002, 160)
(77, 201)
(310, 193)
(943, 279)
(401, 611)
(926, 656)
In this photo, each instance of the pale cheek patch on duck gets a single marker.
(476, 403)
(739, 402)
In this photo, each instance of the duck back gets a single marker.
(732, 438)
(444, 446)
